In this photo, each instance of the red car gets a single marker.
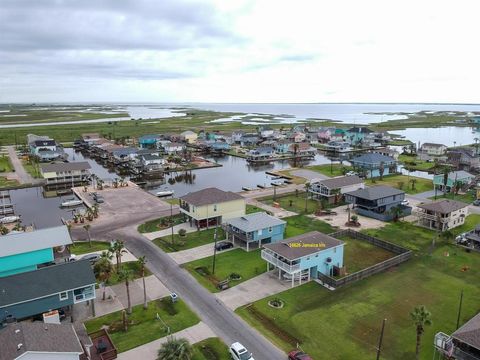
(298, 355)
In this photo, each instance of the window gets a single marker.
(63, 296)
(270, 229)
(334, 249)
(215, 207)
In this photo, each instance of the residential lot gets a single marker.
(190, 240)
(294, 202)
(409, 184)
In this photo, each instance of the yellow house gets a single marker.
(189, 136)
(211, 206)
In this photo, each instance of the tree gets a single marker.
(126, 275)
(118, 248)
(381, 170)
(103, 270)
(413, 182)
(175, 349)
(142, 261)
(396, 212)
(421, 317)
(445, 179)
(87, 229)
(336, 193)
(182, 232)
(307, 190)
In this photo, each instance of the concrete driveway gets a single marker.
(254, 289)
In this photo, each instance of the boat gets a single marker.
(164, 193)
(71, 202)
(9, 219)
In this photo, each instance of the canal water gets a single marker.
(448, 135)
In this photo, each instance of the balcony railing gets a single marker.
(424, 215)
(279, 263)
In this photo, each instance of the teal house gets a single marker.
(253, 230)
(461, 177)
(148, 141)
(370, 164)
(356, 135)
(25, 251)
(302, 257)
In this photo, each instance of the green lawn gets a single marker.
(159, 224)
(83, 247)
(5, 183)
(133, 266)
(190, 240)
(300, 224)
(403, 182)
(246, 264)
(32, 169)
(413, 163)
(346, 323)
(331, 170)
(297, 202)
(253, 209)
(173, 201)
(5, 164)
(210, 349)
(143, 324)
(468, 197)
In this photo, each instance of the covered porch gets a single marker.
(287, 269)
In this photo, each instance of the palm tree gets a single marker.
(336, 193)
(396, 212)
(118, 248)
(307, 189)
(142, 261)
(381, 170)
(421, 318)
(413, 182)
(87, 229)
(175, 349)
(103, 270)
(126, 275)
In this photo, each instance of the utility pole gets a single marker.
(171, 219)
(214, 249)
(459, 309)
(379, 348)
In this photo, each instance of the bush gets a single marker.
(168, 306)
(182, 232)
(235, 276)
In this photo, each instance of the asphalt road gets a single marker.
(224, 322)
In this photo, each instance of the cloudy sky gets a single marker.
(239, 51)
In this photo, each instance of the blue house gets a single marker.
(49, 288)
(370, 164)
(249, 140)
(304, 256)
(356, 135)
(148, 141)
(27, 250)
(377, 202)
(255, 229)
(219, 146)
(283, 146)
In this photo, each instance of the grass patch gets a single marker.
(160, 224)
(7, 183)
(210, 349)
(293, 178)
(143, 324)
(5, 164)
(190, 240)
(331, 169)
(413, 163)
(83, 247)
(133, 266)
(468, 197)
(293, 202)
(31, 168)
(253, 209)
(247, 264)
(300, 224)
(403, 182)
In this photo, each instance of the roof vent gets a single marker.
(19, 346)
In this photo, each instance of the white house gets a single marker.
(442, 215)
(433, 149)
(173, 148)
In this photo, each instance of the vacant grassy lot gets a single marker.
(300, 224)
(403, 182)
(5, 165)
(331, 170)
(293, 202)
(468, 197)
(83, 247)
(159, 224)
(246, 264)
(31, 168)
(210, 349)
(190, 240)
(5, 183)
(143, 324)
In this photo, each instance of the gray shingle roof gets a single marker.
(255, 221)
(375, 192)
(210, 196)
(36, 240)
(443, 206)
(373, 158)
(57, 167)
(319, 241)
(459, 175)
(469, 333)
(38, 337)
(45, 281)
(433, 145)
(338, 182)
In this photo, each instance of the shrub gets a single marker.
(182, 232)
(235, 276)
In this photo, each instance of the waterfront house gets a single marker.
(261, 153)
(370, 164)
(387, 152)
(463, 344)
(297, 137)
(249, 140)
(49, 288)
(65, 175)
(282, 146)
(40, 341)
(338, 146)
(237, 136)
(211, 206)
(254, 230)
(441, 215)
(463, 159)
(433, 149)
(333, 189)
(123, 155)
(266, 132)
(219, 146)
(358, 135)
(172, 148)
(149, 141)
(462, 178)
(302, 149)
(152, 162)
(45, 148)
(324, 135)
(377, 202)
(304, 256)
(381, 137)
(189, 136)
(26, 251)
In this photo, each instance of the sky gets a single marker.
(239, 51)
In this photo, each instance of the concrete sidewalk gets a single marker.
(149, 351)
(168, 232)
(199, 252)
(21, 173)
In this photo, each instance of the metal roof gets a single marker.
(25, 242)
(255, 221)
(210, 196)
(375, 192)
(339, 182)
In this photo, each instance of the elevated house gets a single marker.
(211, 206)
(441, 215)
(371, 164)
(302, 149)
(455, 178)
(254, 230)
(86, 140)
(219, 146)
(297, 137)
(49, 288)
(324, 135)
(282, 146)
(248, 140)
(261, 153)
(27, 251)
(152, 163)
(237, 136)
(358, 135)
(60, 176)
(44, 148)
(40, 341)
(172, 148)
(149, 141)
(433, 149)
(378, 202)
(387, 152)
(304, 256)
(471, 239)
(189, 137)
(338, 146)
(333, 189)
(463, 159)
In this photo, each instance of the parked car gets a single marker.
(223, 245)
(239, 352)
(351, 173)
(405, 202)
(93, 258)
(98, 198)
(476, 202)
(298, 355)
